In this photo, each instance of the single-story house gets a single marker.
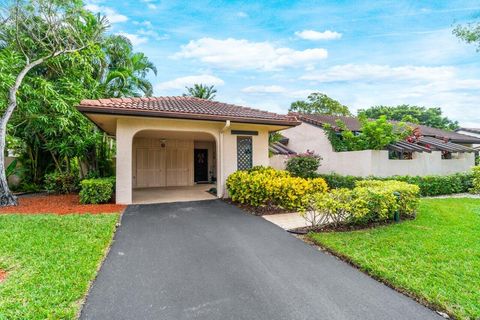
(435, 151)
(473, 132)
(165, 143)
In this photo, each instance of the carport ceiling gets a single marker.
(179, 135)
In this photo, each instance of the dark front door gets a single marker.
(201, 165)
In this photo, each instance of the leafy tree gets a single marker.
(201, 91)
(373, 135)
(122, 71)
(320, 103)
(469, 33)
(34, 32)
(414, 114)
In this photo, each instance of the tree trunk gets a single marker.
(6, 196)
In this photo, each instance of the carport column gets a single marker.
(124, 162)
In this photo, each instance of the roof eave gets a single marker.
(187, 116)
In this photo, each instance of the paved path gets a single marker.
(210, 260)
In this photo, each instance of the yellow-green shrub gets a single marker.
(262, 186)
(476, 180)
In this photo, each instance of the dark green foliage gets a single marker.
(304, 165)
(431, 117)
(320, 103)
(62, 183)
(429, 185)
(201, 91)
(94, 191)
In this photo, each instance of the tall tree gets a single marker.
(201, 91)
(320, 103)
(427, 116)
(35, 32)
(123, 72)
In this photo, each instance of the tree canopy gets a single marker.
(469, 33)
(414, 114)
(201, 91)
(320, 103)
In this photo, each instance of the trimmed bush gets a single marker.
(94, 191)
(267, 186)
(429, 185)
(303, 165)
(62, 183)
(475, 180)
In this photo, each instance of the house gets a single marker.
(473, 132)
(435, 151)
(177, 143)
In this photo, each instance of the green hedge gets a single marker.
(63, 183)
(94, 191)
(429, 185)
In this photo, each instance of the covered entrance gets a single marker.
(170, 166)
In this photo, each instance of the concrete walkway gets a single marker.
(287, 221)
(173, 194)
(210, 260)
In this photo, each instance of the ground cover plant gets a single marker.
(50, 261)
(433, 258)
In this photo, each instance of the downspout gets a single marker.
(220, 191)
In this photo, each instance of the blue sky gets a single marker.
(267, 54)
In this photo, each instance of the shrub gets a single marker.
(63, 183)
(370, 201)
(475, 180)
(94, 191)
(303, 165)
(267, 186)
(429, 185)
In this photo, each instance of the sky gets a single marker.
(267, 54)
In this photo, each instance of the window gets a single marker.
(244, 153)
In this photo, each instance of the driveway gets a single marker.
(210, 260)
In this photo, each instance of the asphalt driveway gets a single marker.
(210, 260)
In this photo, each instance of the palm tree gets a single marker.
(123, 72)
(201, 91)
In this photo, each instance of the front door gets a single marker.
(201, 165)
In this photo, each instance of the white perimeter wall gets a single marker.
(367, 162)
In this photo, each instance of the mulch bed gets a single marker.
(58, 204)
(3, 275)
(260, 210)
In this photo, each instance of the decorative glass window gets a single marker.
(244, 153)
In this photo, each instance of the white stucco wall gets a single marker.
(226, 147)
(369, 162)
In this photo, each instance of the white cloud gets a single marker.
(153, 34)
(264, 89)
(112, 15)
(317, 35)
(243, 54)
(134, 38)
(182, 82)
(242, 14)
(370, 72)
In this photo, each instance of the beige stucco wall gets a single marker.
(369, 162)
(226, 147)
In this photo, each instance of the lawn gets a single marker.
(50, 261)
(435, 258)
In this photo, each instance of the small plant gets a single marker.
(94, 191)
(304, 165)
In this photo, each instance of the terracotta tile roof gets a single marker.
(353, 124)
(280, 148)
(184, 108)
(472, 130)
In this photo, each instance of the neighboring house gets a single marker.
(436, 151)
(473, 132)
(177, 142)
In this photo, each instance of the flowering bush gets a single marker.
(303, 165)
(267, 186)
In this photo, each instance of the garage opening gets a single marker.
(171, 166)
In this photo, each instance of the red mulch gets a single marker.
(59, 204)
(3, 275)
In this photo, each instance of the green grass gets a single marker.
(435, 257)
(50, 260)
